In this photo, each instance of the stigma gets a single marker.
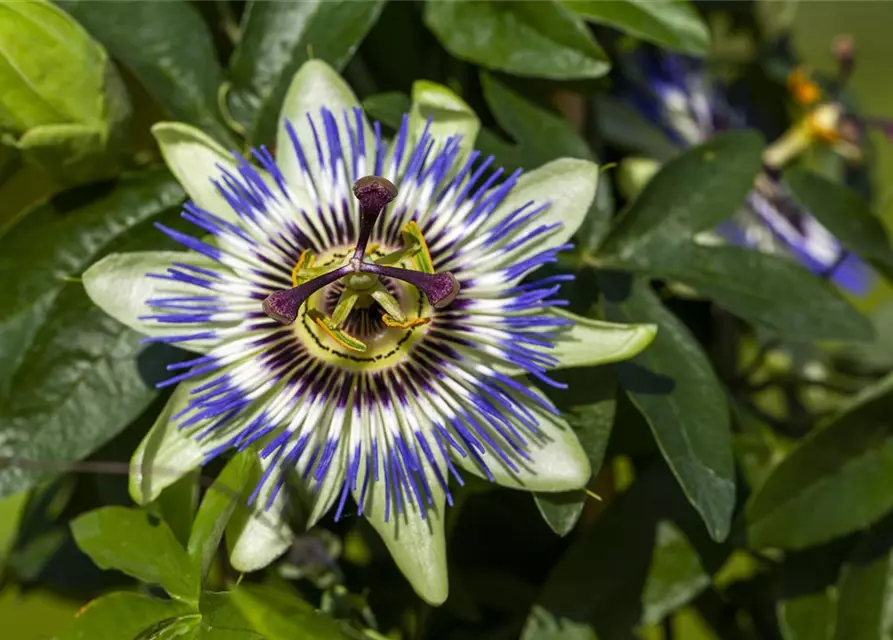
(361, 275)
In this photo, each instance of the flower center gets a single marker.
(374, 293)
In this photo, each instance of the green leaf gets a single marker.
(139, 544)
(12, 512)
(539, 39)
(770, 292)
(168, 48)
(278, 614)
(387, 108)
(675, 577)
(73, 377)
(588, 405)
(66, 108)
(57, 244)
(542, 625)
(624, 127)
(277, 38)
(693, 192)
(176, 506)
(127, 615)
(222, 620)
(222, 498)
(807, 617)
(674, 24)
(835, 482)
(807, 598)
(540, 135)
(666, 561)
(673, 384)
(561, 510)
(865, 588)
(844, 213)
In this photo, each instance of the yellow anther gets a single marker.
(593, 495)
(803, 90)
(409, 324)
(372, 247)
(338, 335)
(305, 261)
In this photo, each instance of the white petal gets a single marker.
(558, 461)
(567, 185)
(255, 535)
(451, 116)
(593, 342)
(120, 286)
(166, 454)
(323, 497)
(314, 86)
(195, 159)
(417, 545)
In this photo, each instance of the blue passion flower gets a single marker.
(676, 93)
(363, 318)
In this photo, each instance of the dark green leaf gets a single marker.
(387, 108)
(280, 615)
(623, 126)
(277, 37)
(865, 589)
(561, 510)
(52, 244)
(540, 39)
(770, 292)
(217, 506)
(176, 505)
(598, 221)
(673, 384)
(807, 617)
(693, 192)
(12, 512)
(675, 577)
(73, 377)
(589, 406)
(168, 48)
(671, 23)
(541, 135)
(127, 615)
(221, 620)
(805, 605)
(658, 570)
(542, 625)
(844, 213)
(836, 482)
(139, 544)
